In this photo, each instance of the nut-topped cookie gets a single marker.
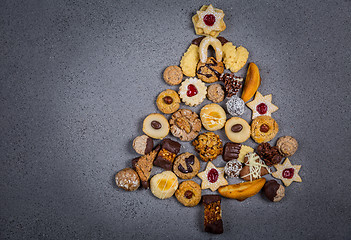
(185, 124)
(264, 129)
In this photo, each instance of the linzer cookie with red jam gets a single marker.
(287, 173)
(210, 71)
(167, 154)
(208, 21)
(237, 130)
(262, 105)
(212, 177)
(212, 214)
(192, 91)
(156, 126)
(186, 166)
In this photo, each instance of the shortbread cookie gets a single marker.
(287, 146)
(156, 126)
(209, 21)
(189, 193)
(185, 124)
(127, 179)
(189, 61)
(262, 105)
(235, 106)
(234, 58)
(208, 145)
(213, 117)
(215, 93)
(254, 167)
(287, 172)
(164, 185)
(210, 71)
(168, 101)
(203, 49)
(237, 130)
(243, 151)
(173, 75)
(192, 91)
(186, 166)
(212, 214)
(264, 129)
(212, 177)
(143, 144)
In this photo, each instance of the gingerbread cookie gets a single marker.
(215, 93)
(156, 126)
(143, 144)
(185, 124)
(168, 101)
(164, 185)
(209, 21)
(262, 105)
(186, 166)
(287, 172)
(264, 129)
(212, 177)
(173, 75)
(192, 91)
(213, 117)
(189, 193)
(237, 130)
(210, 71)
(208, 145)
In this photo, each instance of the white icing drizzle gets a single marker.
(255, 164)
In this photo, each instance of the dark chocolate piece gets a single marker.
(232, 84)
(231, 151)
(188, 161)
(237, 128)
(222, 40)
(197, 41)
(149, 145)
(167, 154)
(212, 214)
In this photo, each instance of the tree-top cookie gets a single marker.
(209, 21)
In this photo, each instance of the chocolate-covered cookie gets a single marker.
(186, 166)
(167, 154)
(274, 191)
(231, 151)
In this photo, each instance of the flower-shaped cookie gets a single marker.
(287, 172)
(192, 91)
(209, 21)
(212, 177)
(262, 105)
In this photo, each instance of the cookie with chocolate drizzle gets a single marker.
(186, 166)
(210, 71)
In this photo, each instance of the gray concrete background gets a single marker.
(77, 79)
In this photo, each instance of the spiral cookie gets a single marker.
(168, 101)
(264, 129)
(189, 193)
(185, 124)
(186, 166)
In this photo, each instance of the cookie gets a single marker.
(212, 177)
(233, 168)
(252, 82)
(203, 49)
(143, 144)
(188, 193)
(270, 155)
(237, 130)
(156, 126)
(287, 173)
(287, 146)
(186, 166)
(274, 191)
(232, 84)
(212, 214)
(168, 101)
(209, 21)
(254, 167)
(235, 106)
(243, 151)
(185, 124)
(242, 191)
(264, 129)
(210, 71)
(262, 105)
(213, 117)
(208, 145)
(192, 91)
(215, 93)
(231, 151)
(166, 155)
(164, 185)
(234, 58)
(173, 75)
(127, 179)
(189, 61)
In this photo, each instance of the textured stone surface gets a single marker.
(77, 79)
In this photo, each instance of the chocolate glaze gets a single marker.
(145, 184)
(188, 161)
(170, 145)
(231, 151)
(213, 63)
(197, 41)
(215, 227)
(207, 199)
(222, 40)
(149, 145)
(270, 189)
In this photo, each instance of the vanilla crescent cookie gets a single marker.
(237, 130)
(217, 46)
(189, 61)
(213, 117)
(192, 91)
(264, 129)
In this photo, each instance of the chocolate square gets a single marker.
(167, 154)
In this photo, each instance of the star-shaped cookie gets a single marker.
(209, 21)
(287, 172)
(262, 105)
(212, 177)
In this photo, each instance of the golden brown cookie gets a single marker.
(208, 145)
(212, 177)
(215, 93)
(264, 129)
(210, 71)
(168, 101)
(287, 146)
(213, 117)
(209, 21)
(163, 185)
(189, 61)
(237, 130)
(185, 124)
(173, 75)
(156, 126)
(189, 193)
(234, 57)
(186, 166)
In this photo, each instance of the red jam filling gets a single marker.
(212, 175)
(262, 108)
(288, 173)
(192, 91)
(209, 19)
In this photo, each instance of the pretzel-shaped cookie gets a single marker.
(215, 43)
